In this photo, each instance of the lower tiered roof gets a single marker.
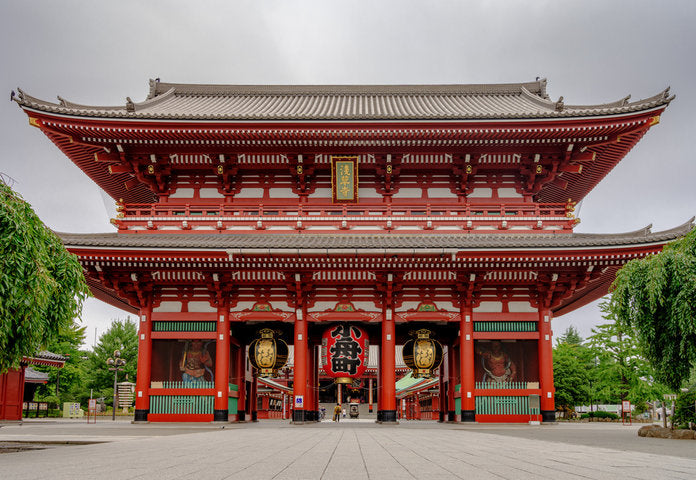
(375, 244)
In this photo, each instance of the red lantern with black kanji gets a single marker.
(345, 351)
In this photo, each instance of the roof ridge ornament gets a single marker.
(130, 106)
(559, 104)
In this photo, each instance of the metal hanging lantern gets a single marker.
(268, 354)
(345, 351)
(422, 354)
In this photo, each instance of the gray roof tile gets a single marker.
(345, 102)
(371, 242)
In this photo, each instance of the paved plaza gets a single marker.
(349, 449)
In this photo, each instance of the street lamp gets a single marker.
(115, 364)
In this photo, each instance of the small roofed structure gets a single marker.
(13, 383)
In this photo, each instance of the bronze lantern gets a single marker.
(268, 354)
(422, 354)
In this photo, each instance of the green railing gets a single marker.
(504, 406)
(188, 384)
(184, 326)
(505, 326)
(501, 385)
(181, 404)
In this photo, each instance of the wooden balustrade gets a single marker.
(470, 217)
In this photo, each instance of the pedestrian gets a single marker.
(337, 413)
(344, 413)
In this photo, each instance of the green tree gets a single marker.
(685, 409)
(571, 336)
(571, 377)
(622, 373)
(122, 335)
(657, 296)
(69, 384)
(42, 286)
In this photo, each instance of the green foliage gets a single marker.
(571, 378)
(122, 336)
(657, 297)
(71, 380)
(620, 370)
(600, 414)
(570, 336)
(685, 409)
(42, 286)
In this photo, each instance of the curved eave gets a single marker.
(322, 103)
(82, 139)
(229, 245)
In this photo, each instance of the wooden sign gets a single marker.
(344, 179)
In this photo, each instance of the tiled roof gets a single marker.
(345, 102)
(34, 376)
(384, 243)
(46, 355)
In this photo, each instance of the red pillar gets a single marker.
(222, 364)
(299, 386)
(311, 377)
(451, 381)
(387, 414)
(466, 365)
(369, 395)
(142, 386)
(240, 378)
(548, 407)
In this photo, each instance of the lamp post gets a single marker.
(115, 364)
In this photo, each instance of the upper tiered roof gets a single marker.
(174, 101)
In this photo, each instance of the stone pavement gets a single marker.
(350, 449)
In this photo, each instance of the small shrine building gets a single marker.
(398, 209)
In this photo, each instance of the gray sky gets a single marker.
(591, 51)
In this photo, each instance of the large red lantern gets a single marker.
(345, 351)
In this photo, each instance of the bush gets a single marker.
(600, 414)
(685, 409)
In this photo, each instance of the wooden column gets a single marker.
(311, 378)
(299, 386)
(339, 393)
(451, 381)
(466, 365)
(387, 414)
(240, 377)
(142, 386)
(222, 364)
(548, 407)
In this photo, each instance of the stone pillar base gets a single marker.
(141, 416)
(468, 415)
(220, 416)
(387, 416)
(548, 416)
(298, 417)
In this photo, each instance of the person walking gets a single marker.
(337, 413)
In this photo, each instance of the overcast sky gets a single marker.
(591, 51)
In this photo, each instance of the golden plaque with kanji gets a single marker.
(344, 179)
